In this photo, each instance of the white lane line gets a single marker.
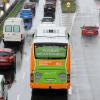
(72, 23)
(24, 75)
(18, 96)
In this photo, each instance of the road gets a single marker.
(85, 70)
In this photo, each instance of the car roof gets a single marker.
(5, 50)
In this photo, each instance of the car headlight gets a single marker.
(38, 76)
(62, 76)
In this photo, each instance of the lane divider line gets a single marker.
(18, 97)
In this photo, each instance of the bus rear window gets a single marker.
(53, 51)
(16, 28)
(8, 28)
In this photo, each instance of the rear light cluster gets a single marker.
(31, 77)
(68, 78)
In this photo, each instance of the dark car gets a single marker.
(7, 58)
(90, 30)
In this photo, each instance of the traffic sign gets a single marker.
(68, 4)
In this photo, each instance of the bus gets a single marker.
(50, 60)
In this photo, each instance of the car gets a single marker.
(3, 89)
(47, 19)
(90, 30)
(7, 58)
(27, 16)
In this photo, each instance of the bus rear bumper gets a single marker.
(50, 86)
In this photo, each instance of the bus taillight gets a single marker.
(68, 78)
(31, 77)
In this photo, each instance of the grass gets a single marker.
(13, 13)
(71, 8)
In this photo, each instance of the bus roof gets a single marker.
(50, 39)
(51, 31)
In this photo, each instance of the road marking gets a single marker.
(24, 75)
(18, 96)
(72, 23)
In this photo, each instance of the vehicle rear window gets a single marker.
(8, 28)
(16, 28)
(51, 51)
(3, 54)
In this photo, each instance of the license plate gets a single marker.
(49, 79)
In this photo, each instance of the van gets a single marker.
(3, 89)
(13, 30)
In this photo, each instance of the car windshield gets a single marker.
(16, 28)
(50, 51)
(91, 27)
(3, 54)
(47, 20)
(8, 28)
(27, 20)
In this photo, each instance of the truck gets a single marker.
(49, 10)
(50, 59)
(30, 5)
(27, 16)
